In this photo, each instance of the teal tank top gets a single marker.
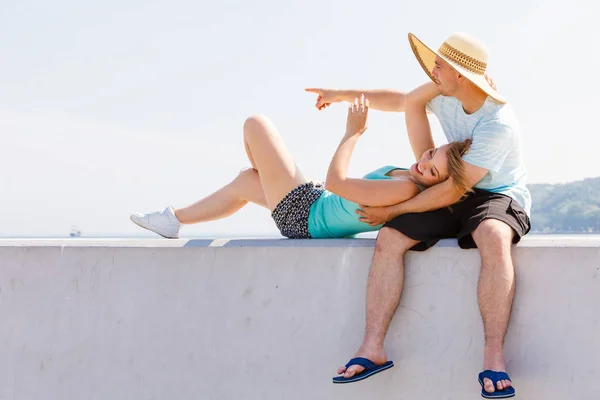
(334, 217)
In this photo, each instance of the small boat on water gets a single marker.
(75, 232)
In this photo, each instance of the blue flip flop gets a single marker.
(495, 377)
(370, 369)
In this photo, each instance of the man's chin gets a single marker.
(443, 91)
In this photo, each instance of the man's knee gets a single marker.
(390, 240)
(493, 233)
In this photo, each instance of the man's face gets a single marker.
(447, 78)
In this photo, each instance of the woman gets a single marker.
(305, 209)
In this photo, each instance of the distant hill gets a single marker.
(566, 208)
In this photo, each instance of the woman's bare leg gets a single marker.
(226, 201)
(270, 157)
(274, 174)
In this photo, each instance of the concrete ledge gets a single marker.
(273, 319)
(528, 241)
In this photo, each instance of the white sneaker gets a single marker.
(164, 222)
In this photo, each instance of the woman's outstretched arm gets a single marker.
(375, 193)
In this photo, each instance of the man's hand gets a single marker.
(375, 215)
(325, 97)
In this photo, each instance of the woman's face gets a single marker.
(432, 167)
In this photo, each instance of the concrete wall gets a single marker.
(273, 319)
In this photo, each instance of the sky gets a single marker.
(113, 107)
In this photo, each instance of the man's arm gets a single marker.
(439, 196)
(379, 99)
(417, 123)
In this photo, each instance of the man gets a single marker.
(491, 217)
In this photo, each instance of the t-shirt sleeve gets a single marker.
(491, 144)
(434, 105)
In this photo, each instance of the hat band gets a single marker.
(462, 59)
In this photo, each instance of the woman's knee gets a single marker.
(257, 125)
(248, 174)
(247, 183)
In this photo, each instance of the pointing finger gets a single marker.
(320, 102)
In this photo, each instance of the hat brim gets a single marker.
(427, 56)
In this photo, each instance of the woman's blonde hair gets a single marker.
(456, 167)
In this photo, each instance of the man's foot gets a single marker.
(377, 356)
(493, 360)
(488, 385)
(164, 222)
(495, 380)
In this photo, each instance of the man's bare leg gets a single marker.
(384, 288)
(495, 292)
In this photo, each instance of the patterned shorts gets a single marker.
(291, 214)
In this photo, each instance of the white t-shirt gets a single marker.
(496, 145)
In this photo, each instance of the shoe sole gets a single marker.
(143, 225)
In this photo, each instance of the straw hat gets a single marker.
(464, 53)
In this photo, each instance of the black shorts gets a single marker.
(461, 219)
